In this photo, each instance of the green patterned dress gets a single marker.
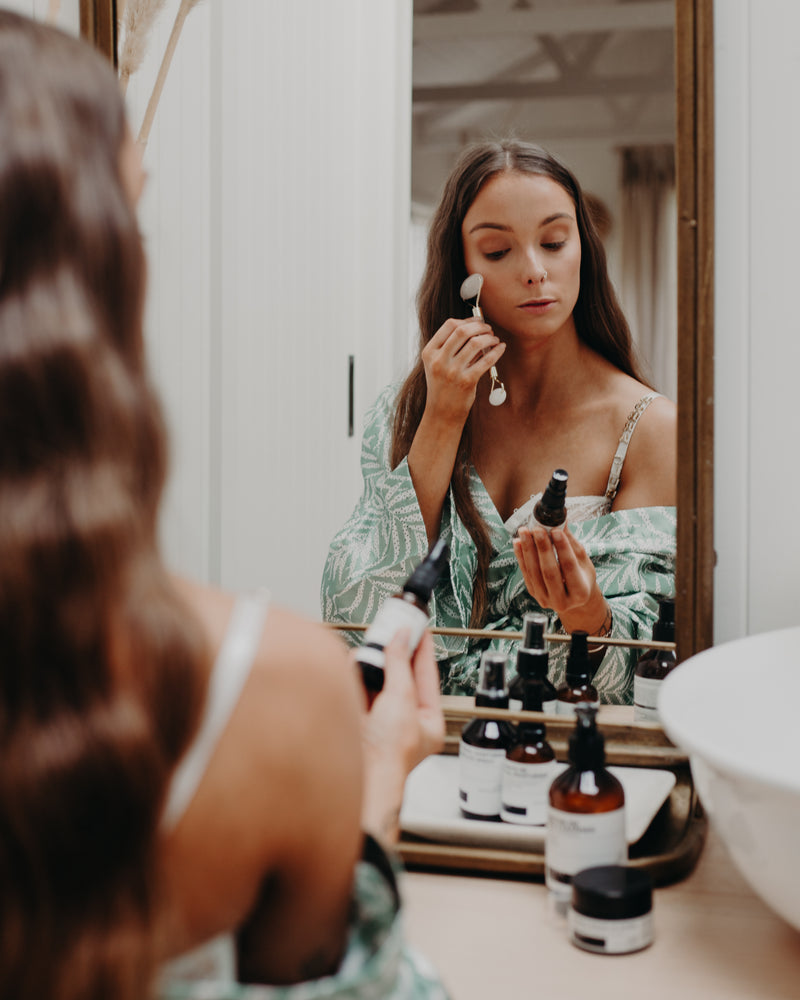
(633, 552)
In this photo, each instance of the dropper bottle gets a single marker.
(529, 768)
(654, 665)
(406, 609)
(532, 664)
(483, 745)
(551, 511)
(577, 686)
(589, 791)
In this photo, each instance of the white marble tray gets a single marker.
(430, 807)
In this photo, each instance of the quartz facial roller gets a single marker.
(471, 289)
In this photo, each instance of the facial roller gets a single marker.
(471, 289)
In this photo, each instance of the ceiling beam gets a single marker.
(563, 19)
(520, 90)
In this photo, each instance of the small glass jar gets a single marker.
(611, 912)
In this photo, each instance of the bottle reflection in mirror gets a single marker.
(577, 686)
(483, 745)
(586, 815)
(406, 609)
(532, 664)
(654, 665)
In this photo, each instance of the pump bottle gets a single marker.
(577, 686)
(654, 665)
(550, 511)
(529, 768)
(406, 609)
(586, 815)
(532, 664)
(482, 750)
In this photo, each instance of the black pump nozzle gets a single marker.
(491, 690)
(586, 742)
(423, 579)
(664, 628)
(579, 666)
(532, 655)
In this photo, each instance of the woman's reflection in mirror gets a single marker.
(437, 459)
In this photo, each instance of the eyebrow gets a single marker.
(507, 229)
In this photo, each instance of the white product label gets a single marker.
(515, 705)
(610, 937)
(576, 841)
(645, 698)
(525, 791)
(480, 779)
(393, 615)
(567, 708)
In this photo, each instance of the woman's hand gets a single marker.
(455, 359)
(403, 726)
(559, 575)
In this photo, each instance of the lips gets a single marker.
(536, 303)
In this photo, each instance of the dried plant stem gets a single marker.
(52, 11)
(152, 104)
(138, 22)
(120, 10)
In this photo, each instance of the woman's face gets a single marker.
(521, 234)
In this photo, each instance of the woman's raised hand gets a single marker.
(559, 575)
(455, 358)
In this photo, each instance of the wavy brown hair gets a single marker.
(101, 666)
(599, 320)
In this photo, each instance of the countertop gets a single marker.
(496, 939)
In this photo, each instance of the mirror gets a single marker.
(694, 87)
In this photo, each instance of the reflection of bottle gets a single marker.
(407, 609)
(529, 768)
(550, 511)
(586, 818)
(654, 665)
(482, 750)
(578, 685)
(532, 663)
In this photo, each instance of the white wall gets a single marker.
(757, 474)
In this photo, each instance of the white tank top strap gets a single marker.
(622, 448)
(228, 676)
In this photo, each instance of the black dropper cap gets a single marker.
(423, 579)
(491, 691)
(586, 743)
(664, 628)
(579, 666)
(532, 655)
(556, 489)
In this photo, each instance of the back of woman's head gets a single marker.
(99, 686)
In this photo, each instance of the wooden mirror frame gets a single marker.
(694, 81)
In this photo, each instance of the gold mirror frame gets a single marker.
(695, 189)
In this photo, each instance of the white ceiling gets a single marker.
(551, 71)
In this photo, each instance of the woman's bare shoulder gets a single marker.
(650, 469)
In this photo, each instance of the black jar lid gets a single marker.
(612, 892)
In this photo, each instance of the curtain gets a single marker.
(649, 279)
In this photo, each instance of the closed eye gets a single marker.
(496, 254)
(554, 246)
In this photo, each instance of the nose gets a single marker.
(534, 270)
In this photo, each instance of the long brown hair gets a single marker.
(101, 666)
(599, 320)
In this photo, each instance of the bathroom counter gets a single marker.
(496, 938)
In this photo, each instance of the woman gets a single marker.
(439, 458)
(178, 765)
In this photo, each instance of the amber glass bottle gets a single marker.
(586, 816)
(482, 750)
(577, 686)
(550, 511)
(532, 664)
(406, 609)
(529, 768)
(654, 665)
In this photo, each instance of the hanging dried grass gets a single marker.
(183, 12)
(137, 21)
